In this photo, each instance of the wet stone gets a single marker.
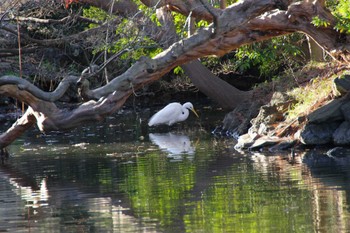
(318, 134)
(341, 85)
(341, 136)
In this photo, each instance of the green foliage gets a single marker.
(341, 10)
(202, 23)
(147, 11)
(318, 22)
(180, 22)
(10, 73)
(95, 13)
(178, 70)
(343, 26)
(130, 37)
(127, 36)
(268, 57)
(342, 13)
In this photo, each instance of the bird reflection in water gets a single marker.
(176, 145)
(33, 198)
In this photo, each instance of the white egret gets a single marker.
(172, 113)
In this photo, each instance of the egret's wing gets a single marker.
(166, 115)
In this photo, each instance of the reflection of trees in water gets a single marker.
(223, 191)
(323, 175)
(46, 205)
(22, 200)
(329, 181)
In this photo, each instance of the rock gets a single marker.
(337, 152)
(244, 142)
(264, 142)
(262, 129)
(329, 112)
(329, 124)
(341, 85)
(315, 159)
(275, 143)
(283, 145)
(340, 156)
(278, 99)
(318, 134)
(345, 109)
(270, 114)
(341, 135)
(238, 121)
(267, 115)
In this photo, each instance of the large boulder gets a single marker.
(318, 134)
(341, 135)
(345, 109)
(237, 121)
(329, 112)
(341, 85)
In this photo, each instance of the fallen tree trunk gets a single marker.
(212, 86)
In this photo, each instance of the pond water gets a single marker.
(120, 176)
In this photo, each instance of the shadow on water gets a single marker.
(120, 176)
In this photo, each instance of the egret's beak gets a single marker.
(194, 111)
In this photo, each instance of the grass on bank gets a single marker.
(310, 96)
(314, 90)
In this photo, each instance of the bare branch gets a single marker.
(57, 21)
(3, 16)
(23, 84)
(63, 40)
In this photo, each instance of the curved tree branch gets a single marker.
(25, 85)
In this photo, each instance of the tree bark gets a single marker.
(17, 129)
(316, 52)
(212, 86)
